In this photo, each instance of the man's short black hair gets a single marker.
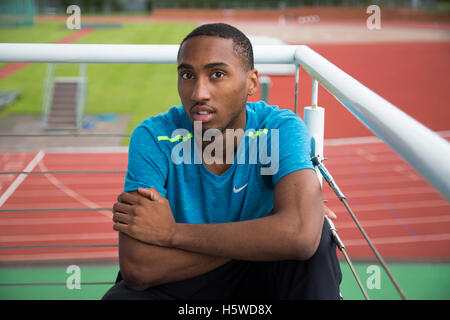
(242, 46)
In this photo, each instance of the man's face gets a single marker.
(213, 84)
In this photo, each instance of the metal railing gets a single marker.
(49, 91)
(422, 148)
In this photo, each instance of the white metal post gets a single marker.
(297, 76)
(315, 92)
(314, 118)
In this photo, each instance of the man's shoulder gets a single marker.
(271, 116)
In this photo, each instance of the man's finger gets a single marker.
(121, 218)
(146, 192)
(120, 227)
(129, 198)
(122, 208)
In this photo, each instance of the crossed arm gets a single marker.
(153, 249)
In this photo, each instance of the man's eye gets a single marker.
(218, 74)
(186, 75)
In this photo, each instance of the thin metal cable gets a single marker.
(297, 67)
(54, 210)
(352, 268)
(329, 179)
(63, 172)
(341, 247)
(31, 135)
(375, 251)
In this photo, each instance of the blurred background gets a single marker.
(60, 218)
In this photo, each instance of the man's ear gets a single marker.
(252, 82)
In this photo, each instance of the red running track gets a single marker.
(403, 215)
(413, 76)
(60, 191)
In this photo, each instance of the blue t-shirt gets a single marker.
(163, 155)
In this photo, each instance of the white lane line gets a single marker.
(393, 222)
(390, 192)
(397, 205)
(342, 161)
(94, 183)
(405, 239)
(351, 141)
(368, 139)
(380, 180)
(104, 193)
(71, 193)
(374, 169)
(16, 183)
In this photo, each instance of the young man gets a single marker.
(221, 200)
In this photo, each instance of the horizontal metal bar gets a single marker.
(121, 53)
(54, 210)
(25, 284)
(423, 149)
(61, 246)
(63, 172)
(63, 135)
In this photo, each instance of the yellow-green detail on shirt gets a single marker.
(258, 133)
(176, 138)
(188, 136)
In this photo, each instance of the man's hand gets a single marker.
(146, 217)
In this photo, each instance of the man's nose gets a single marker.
(201, 90)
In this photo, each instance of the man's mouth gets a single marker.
(202, 113)
(203, 116)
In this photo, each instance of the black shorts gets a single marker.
(316, 278)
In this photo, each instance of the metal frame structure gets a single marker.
(422, 148)
(49, 87)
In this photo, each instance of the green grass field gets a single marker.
(420, 281)
(136, 89)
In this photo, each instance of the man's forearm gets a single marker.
(293, 231)
(143, 265)
(271, 238)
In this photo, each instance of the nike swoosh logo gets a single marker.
(239, 189)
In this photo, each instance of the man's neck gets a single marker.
(231, 137)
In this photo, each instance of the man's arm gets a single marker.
(144, 265)
(292, 232)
